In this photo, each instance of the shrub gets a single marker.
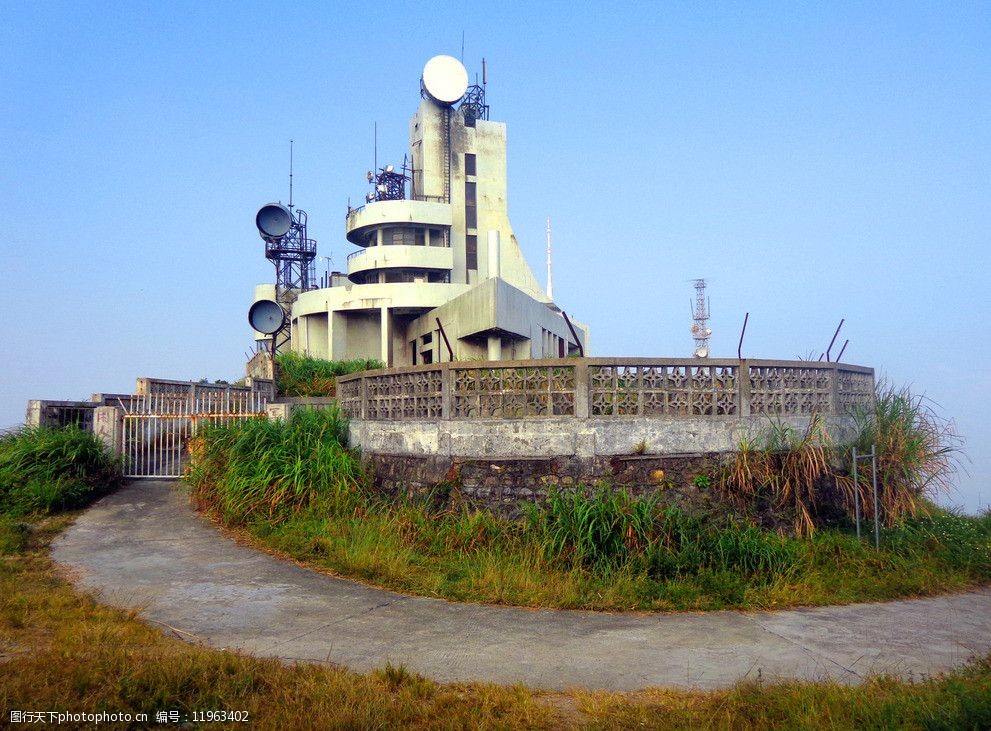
(47, 470)
(301, 375)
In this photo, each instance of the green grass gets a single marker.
(61, 650)
(294, 487)
(301, 375)
(47, 470)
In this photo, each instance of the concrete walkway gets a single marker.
(145, 547)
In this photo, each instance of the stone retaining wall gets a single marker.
(501, 484)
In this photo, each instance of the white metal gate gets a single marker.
(157, 426)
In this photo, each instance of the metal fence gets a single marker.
(157, 427)
(607, 387)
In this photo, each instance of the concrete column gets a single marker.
(495, 347)
(34, 411)
(581, 390)
(108, 427)
(743, 382)
(363, 391)
(386, 336)
(278, 412)
(834, 390)
(446, 388)
(494, 255)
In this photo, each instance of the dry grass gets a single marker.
(787, 467)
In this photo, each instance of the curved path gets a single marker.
(144, 547)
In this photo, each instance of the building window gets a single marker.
(470, 164)
(471, 251)
(438, 237)
(471, 212)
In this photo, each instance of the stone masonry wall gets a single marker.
(501, 484)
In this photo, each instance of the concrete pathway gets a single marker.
(145, 547)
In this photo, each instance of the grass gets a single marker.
(47, 470)
(298, 490)
(60, 650)
(301, 375)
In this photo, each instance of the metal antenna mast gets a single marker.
(290, 175)
(700, 327)
(550, 282)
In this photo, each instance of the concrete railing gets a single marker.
(606, 387)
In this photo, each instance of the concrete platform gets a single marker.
(145, 547)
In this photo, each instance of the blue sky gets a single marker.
(816, 162)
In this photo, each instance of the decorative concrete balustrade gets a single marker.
(606, 387)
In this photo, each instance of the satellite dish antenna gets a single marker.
(445, 79)
(273, 221)
(266, 316)
(702, 352)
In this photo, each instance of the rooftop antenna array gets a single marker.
(388, 183)
(473, 105)
(292, 252)
(700, 327)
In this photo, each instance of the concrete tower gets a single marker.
(439, 272)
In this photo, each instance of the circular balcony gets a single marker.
(401, 257)
(362, 221)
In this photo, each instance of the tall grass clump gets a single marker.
(601, 529)
(301, 375)
(686, 546)
(47, 470)
(917, 452)
(271, 470)
(786, 469)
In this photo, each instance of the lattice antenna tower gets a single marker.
(700, 315)
(292, 252)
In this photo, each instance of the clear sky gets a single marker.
(812, 161)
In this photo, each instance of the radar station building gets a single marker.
(438, 274)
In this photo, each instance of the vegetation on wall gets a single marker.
(301, 375)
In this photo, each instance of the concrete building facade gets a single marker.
(439, 274)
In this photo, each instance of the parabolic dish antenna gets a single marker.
(273, 221)
(445, 79)
(266, 316)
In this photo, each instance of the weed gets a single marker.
(702, 482)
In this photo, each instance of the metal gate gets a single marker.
(157, 427)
